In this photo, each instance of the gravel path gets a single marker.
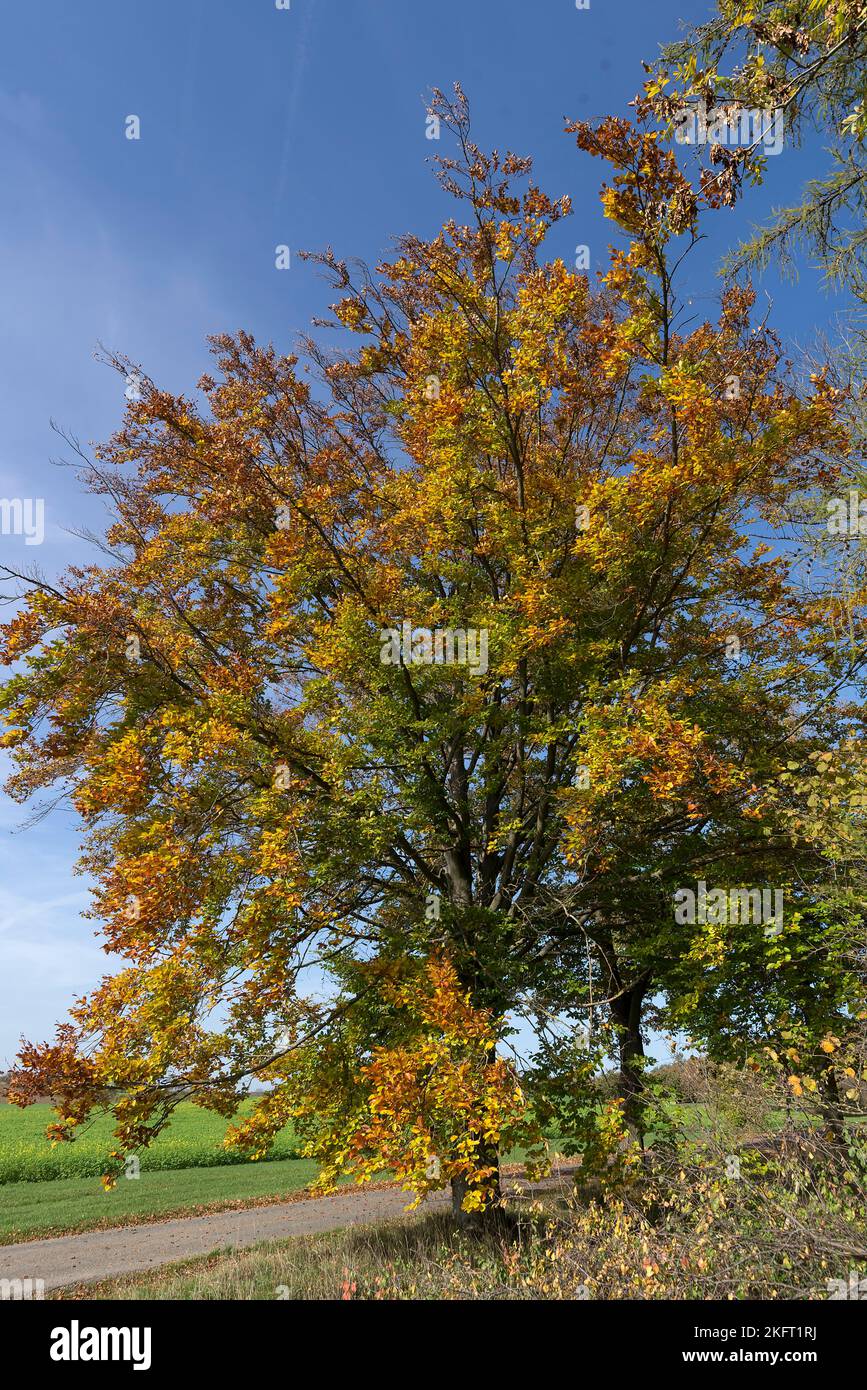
(95, 1255)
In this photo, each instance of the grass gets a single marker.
(192, 1140)
(400, 1257)
(29, 1210)
(48, 1190)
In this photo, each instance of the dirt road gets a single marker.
(95, 1255)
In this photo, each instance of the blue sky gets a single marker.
(259, 127)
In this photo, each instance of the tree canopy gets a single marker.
(416, 678)
(803, 59)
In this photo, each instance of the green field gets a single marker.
(32, 1209)
(192, 1140)
(49, 1188)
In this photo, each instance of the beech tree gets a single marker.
(803, 60)
(403, 693)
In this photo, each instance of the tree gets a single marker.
(392, 695)
(653, 827)
(803, 59)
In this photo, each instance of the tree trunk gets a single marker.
(626, 1008)
(459, 872)
(489, 1214)
(832, 1109)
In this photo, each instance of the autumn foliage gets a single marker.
(345, 878)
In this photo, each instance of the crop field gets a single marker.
(46, 1188)
(192, 1140)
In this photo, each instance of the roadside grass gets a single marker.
(30, 1210)
(402, 1257)
(193, 1139)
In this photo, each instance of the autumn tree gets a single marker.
(733, 820)
(404, 693)
(803, 59)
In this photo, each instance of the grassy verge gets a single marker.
(398, 1258)
(29, 1210)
